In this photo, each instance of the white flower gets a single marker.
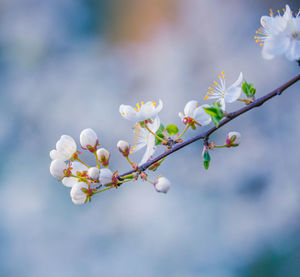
(233, 139)
(78, 196)
(65, 148)
(192, 112)
(89, 140)
(75, 167)
(145, 138)
(106, 176)
(57, 168)
(103, 156)
(162, 184)
(223, 94)
(142, 112)
(280, 34)
(123, 147)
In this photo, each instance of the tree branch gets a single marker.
(205, 135)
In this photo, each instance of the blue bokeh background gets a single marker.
(68, 65)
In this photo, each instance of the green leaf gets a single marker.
(216, 112)
(160, 134)
(248, 89)
(172, 129)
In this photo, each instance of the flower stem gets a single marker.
(220, 146)
(82, 162)
(148, 180)
(103, 189)
(97, 159)
(161, 139)
(185, 129)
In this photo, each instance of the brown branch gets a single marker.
(205, 135)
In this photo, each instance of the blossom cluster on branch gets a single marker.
(279, 34)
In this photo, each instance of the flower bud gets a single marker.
(94, 173)
(77, 194)
(233, 139)
(162, 184)
(123, 147)
(103, 156)
(65, 148)
(89, 140)
(57, 168)
(106, 176)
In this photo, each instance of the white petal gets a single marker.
(232, 94)
(128, 112)
(201, 116)
(238, 82)
(180, 114)
(159, 106)
(78, 167)
(154, 126)
(69, 181)
(287, 14)
(149, 150)
(55, 155)
(190, 107)
(293, 53)
(105, 176)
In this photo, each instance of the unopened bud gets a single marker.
(206, 157)
(93, 173)
(123, 147)
(89, 140)
(106, 176)
(162, 184)
(103, 156)
(57, 168)
(233, 139)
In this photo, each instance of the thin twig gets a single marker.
(205, 135)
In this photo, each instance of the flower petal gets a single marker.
(232, 94)
(190, 107)
(201, 116)
(128, 112)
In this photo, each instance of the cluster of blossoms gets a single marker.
(280, 34)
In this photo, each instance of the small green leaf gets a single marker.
(248, 89)
(172, 129)
(160, 134)
(211, 111)
(216, 112)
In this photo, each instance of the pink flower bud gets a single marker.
(103, 156)
(233, 139)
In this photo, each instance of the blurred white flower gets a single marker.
(94, 173)
(194, 112)
(75, 167)
(65, 148)
(103, 156)
(89, 140)
(280, 35)
(162, 184)
(142, 112)
(57, 168)
(77, 194)
(225, 95)
(146, 139)
(233, 139)
(106, 176)
(123, 147)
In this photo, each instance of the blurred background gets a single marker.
(68, 65)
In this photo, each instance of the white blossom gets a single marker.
(192, 111)
(65, 148)
(146, 139)
(75, 167)
(78, 196)
(162, 184)
(94, 173)
(89, 139)
(225, 95)
(280, 35)
(106, 176)
(141, 112)
(233, 138)
(123, 147)
(57, 168)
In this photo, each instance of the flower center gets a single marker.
(216, 88)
